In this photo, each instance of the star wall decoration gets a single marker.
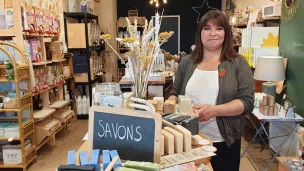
(199, 14)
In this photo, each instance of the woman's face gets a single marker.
(212, 36)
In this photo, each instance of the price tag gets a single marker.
(110, 101)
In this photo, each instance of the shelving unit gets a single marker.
(19, 105)
(121, 27)
(84, 18)
(28, 129)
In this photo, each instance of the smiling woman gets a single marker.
(221, 87)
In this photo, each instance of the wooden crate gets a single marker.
(63, 115)
(46, 128)
(76, 36)
(17, 103)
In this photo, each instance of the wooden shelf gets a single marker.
(7, 32)
(42, 114)
(58, 60)
(237, 45)
(6, 138)
(80, 15)
(59, 104)
(10, 166)
(38, 35)
(68, 78)
(15, 110)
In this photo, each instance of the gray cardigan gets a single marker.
(237, 83)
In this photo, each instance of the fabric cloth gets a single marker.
(236, 83)
(227, 158)
(203, 88)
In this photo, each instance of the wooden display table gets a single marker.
(282, 166)
(155, 84)
(84, 147)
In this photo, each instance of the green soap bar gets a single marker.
(146, 166)
(126, 169)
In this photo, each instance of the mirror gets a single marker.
(289, 3)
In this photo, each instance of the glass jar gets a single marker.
(108, 94)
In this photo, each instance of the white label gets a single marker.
(110, 101)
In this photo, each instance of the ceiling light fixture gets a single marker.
(157, 2)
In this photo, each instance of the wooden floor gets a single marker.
(50, 157)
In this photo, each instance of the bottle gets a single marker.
(40, 105)
(88, 105)
(84, 105)
(79, 105)
(49, 54)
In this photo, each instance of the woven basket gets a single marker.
(2, 71)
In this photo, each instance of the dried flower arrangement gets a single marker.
(143, 51)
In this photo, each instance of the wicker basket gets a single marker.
(2, 71)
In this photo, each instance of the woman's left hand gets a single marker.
(206, 112)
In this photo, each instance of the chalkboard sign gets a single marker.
(292, 47)
(171, 23)
(134, 134)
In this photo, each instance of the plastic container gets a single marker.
(108, 94)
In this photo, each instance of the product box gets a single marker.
(9, 18)
(35, 45)
(48, 22)
(28, 19)
(89, 7)
(58, 46)
(12, 153)
(56, 26)
(77, 36)
(12, 130)
(40, 23)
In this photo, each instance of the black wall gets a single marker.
(183, 8)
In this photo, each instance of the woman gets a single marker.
(221, 87)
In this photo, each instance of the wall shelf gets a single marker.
(80, 15)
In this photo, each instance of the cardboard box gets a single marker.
(58, 46)
(76, 35)
(81, 77)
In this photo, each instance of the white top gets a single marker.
(203, 88)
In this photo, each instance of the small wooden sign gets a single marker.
(132, 13)
(136, 135)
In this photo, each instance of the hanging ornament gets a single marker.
(199, 14)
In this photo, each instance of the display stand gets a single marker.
(58, 59)
(19, 105)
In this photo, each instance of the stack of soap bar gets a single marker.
(196, 139)
(170, 106)
(71, 157)
(187, 137)
(184, 104)
(106, 158)
(113, 153)
(160, 102)
(162, 146)
(95, 159)
(169, 142)
(178, 139)
(83, 158)
(154, 103)
(146, 166)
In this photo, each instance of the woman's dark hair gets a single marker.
(219, 19)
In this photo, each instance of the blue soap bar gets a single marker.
(106, 158)
(83, 158)
(71, 158)
(95, 159)
(113, 153)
